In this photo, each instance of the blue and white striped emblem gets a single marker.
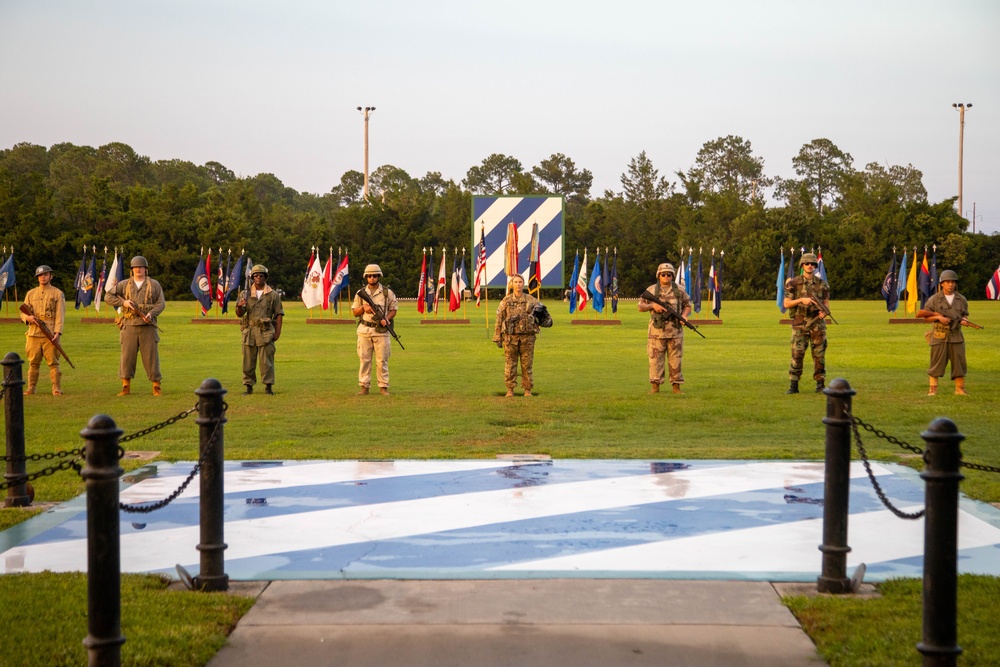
(493, 213)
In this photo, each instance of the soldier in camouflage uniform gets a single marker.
(515, 332)
(808, 323)
(373, 335)
(948, 311)
(665, 336)
(49, 305)
(260, 312)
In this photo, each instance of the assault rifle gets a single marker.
(821, 307)
(44, 328)
(671, 311)
(380, 315)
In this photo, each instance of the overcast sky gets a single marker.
(273, 86)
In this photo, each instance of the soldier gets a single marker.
(665, 336)
(373, 335)
(808, 323)
(49, 305)
(141, 300)
(948, 311)
(518, 319)
(260, 313)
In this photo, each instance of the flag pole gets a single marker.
(461, 296)
(201, 255)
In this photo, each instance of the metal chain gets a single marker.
(160, 504)
(2, 392)
(979, 466)
(24, 479)
(157, 427)
(45, 457)
(871, 475)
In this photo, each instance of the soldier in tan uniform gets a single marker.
(49, 305)
(517, 325)
(260, 313)
(665, 335)
(948, 311)
(373, 335)
(808, 323)
(141, 299)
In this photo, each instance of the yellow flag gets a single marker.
(911, 286)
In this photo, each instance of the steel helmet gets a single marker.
(948, 274)
(669, 268)
(139, 260)
(44, 268)
(258, 268)
(373, 270)
(808, 257)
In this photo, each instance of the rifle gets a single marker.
(970, 323)
(26, 309)
(380, 315)
(671, 311)
(146, 318)
(821, 307)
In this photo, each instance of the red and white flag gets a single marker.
(312, 284)
(455, 298)
(581, 285)
(480, 266)
(993, 286)
(327, 281)
(441, 284)
(422, 289)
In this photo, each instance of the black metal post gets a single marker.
(13, 409)
(836, 489)
(211, 419)
(942, 456)
(104, 597)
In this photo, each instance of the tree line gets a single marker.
(54, 201)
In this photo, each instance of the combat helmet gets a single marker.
(44, 268)
(948, 274)
(139, 260)
(666, 267)
(373, 270)
(258, 268)
(808, 257)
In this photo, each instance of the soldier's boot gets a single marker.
(527, 392)
(655, 388)
(960, 387)
(56, 376)
(384, 391)
(363, 391)
(676, 388)
(793, 387)
(932, 390)
(156, 389)
(249, 390)
(126, 387)
(820, 386)
(268, 390)
(509, 394)
(32, 381)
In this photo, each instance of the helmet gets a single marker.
(258, 268)
(808, 257)
(948, 274)
(44, 268)
(139, 260)
(669, 268)
(373, 269)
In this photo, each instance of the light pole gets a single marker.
(961, 106)
(366, 111)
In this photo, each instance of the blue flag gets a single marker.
(572, 283)
(889, 290)
(716, 287)
(696, 287)
(934, 276)
(6, 276)
(596, 285)
(780, 283)
(88, 283)
(613, 285)
(901, 280)
(201, 288)
(78, 281)
(233, 279)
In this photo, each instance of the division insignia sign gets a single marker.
(493, 214)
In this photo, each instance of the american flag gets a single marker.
(480, 265)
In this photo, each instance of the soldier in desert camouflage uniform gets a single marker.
(665, 336)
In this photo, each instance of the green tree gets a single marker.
(495, 176)
(642, 183)
(351, 188)
(558, 174)
(823, 170)
(727, 166)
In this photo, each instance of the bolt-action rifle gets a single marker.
(671, 311)
(145, 317)
(380, 315)
(44, 328)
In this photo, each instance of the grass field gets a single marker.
(591, 402)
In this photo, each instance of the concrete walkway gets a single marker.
(523, 623)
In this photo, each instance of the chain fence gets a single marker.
(77, 462)
(855, 422)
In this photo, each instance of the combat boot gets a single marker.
(527, 392)
(384, 391)
(29, 390)
(820, 386)
(268, 390)
(32, 381)
(126, 387)
(932, 390)
(156, 389)
(56, 376)
(249, 390)
(363, 391)
(509, 394)
(676, 388)
(960, 387)
(655, 388)
(793, 387)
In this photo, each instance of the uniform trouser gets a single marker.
(665, 353)
(37, 348)
(135, 340)
(943, 353)
(518, 349)
(816, 339)
(262, 355)
(375, 345)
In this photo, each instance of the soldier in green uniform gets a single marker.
(260, 313)
(808, 323)
(948, 311)
(49, 305)
(665, 336)
(141, 300)
(517, 325)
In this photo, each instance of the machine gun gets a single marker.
(27, 310)
(380, 315)
(671, 311)
(821, 307)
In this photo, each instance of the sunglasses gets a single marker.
(667, 274)
(809, 264)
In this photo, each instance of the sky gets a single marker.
(267, 86)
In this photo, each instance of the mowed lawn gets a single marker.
(591, 390)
